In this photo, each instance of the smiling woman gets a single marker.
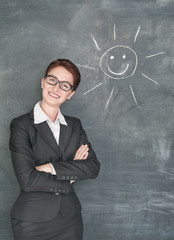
(52, 93)
(50, 151)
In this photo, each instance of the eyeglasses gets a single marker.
(64, 85)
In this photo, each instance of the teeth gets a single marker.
(53, 95)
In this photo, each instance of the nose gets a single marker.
(56, 87)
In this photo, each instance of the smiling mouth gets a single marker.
(53, 95)
(120, 73)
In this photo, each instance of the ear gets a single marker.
(42, 81)
(70, 96)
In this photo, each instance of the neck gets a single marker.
(51, 111)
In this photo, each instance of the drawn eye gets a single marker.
(122, 62)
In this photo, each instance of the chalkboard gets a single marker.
(124, 50)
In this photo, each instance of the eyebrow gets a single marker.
(52, 76)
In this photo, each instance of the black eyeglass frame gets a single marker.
(58, 82)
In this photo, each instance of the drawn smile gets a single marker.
(120, 58)
(120, 73)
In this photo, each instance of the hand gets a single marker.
(82, 153)
(45, 168)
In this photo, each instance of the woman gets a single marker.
(50, 152)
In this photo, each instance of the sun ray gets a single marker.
(114, 32)
(133, 95)
(92, 88)
(166, 173)
(96, 44)
(109, 98)
(136, 35)
(84, 66)
(149, 78)
(156, 54)
(128, 57)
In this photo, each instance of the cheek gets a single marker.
(45, 87)
(44, 91)
(66, 96)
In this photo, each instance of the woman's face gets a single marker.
(53, 95)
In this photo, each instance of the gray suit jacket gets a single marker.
(43, 195)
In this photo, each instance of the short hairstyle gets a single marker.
(70, 66)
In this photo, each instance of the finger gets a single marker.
(82, 154)
(83, 149)
(79, 150)
(38, 168)
(86, 155)
(79, 156)
(78, 153)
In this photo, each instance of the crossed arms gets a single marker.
(84, 165)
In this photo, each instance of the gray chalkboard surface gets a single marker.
(124, 50)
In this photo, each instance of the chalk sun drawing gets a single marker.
(119, 62)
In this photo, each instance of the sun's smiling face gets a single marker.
(119, 62)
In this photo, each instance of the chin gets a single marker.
(50, 103)
(54, 104)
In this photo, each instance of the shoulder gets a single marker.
(20, 121)
(72, 120)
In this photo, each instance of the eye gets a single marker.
(66, 85)
(52, 80)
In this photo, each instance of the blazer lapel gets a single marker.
(45, 132)
(65, 135)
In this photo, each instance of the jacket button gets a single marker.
(59, 190)
(63, 190)
(51, 189)
(55, 190)
(75, 177)
(67, 177)
(63, 177)
(72, 177)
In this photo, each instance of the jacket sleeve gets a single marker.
(24, 164)
(79, 169)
